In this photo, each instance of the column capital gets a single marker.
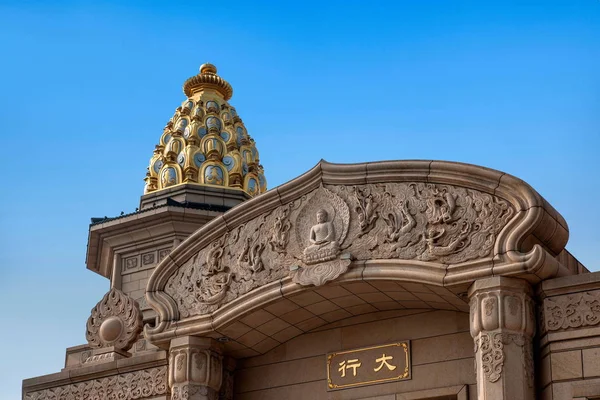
(501, 303)
(195, 368)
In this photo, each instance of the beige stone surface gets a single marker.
(566, 365)
(591, 362)
(441, 347)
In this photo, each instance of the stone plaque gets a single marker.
(368, 365)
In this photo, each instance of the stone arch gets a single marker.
(433, 223)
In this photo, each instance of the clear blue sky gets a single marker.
(86, 89)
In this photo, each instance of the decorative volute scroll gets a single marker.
(116, 322)
(571, 311)
(438, 223)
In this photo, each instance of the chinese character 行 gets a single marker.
(384, 361)
(354, 364)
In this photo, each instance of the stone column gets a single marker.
(195, 368)
(502, 326)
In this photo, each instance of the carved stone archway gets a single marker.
(439, 224)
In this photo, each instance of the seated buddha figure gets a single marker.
(323, 244)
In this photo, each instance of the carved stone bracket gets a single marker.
(502, 327)
(195, 369)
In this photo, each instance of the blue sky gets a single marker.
(87, 88)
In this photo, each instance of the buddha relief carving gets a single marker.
(323, 244)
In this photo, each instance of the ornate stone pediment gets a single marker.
(430, 222)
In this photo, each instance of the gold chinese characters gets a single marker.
(369, 365)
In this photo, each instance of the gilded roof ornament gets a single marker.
(207, 79)
(206, 142)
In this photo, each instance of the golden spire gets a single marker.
(207, 79)
(206, 142)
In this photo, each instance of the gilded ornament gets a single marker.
(196, 134)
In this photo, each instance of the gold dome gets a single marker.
(206, 142)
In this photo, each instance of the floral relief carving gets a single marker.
(191, 391)
(126, 386)
(332, 225)
(251, 256)
(492, 354)
(280, 235)
(572, 311)
(366, 209)
(489, 304)
(491, 345)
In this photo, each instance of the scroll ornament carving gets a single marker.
(115, 321)
(314, 238)
(492, 345)
(127, 386)
(189, 391)
(572, 311)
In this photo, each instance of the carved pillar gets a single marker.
(502, 326)
(195, 368)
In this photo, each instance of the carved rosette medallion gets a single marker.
(116, 321)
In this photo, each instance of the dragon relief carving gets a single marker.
(430, 222)
(313, 236)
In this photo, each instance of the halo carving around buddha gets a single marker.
(115, 321)
(438, 223)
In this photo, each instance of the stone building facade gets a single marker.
(385, 280)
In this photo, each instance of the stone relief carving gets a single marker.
(572, 311)
(492, 355)
(501, 316)
(126, 386)
(312, 238)
(115, 321)
(186, 392)
(281, 231)
(321, 237)
(366, 209)
(492, 345)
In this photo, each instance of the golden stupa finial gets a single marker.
(206, 142)
(208, 68)
(207, 79)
